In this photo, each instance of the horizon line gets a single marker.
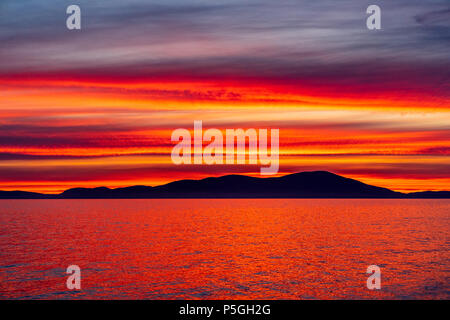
(226, 175)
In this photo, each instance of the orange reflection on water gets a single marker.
(224, 249)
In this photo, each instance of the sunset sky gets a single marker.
(97, 106)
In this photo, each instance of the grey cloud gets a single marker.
(289, 38)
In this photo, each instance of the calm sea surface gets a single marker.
(224, 249)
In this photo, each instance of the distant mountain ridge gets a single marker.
(314, 184)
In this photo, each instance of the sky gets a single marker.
(97, 106)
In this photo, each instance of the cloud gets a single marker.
(204, 57)
(441, 17)
(297, 40)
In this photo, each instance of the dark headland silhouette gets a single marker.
(315, 184)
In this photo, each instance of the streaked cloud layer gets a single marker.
(101, 102)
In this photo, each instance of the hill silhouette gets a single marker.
(315, 184)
